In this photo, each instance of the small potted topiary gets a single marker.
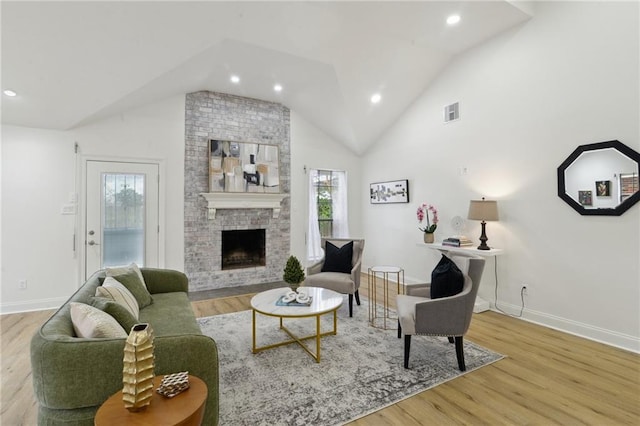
(293, 273)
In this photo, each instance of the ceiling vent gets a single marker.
(451, 112)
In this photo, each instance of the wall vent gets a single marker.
(451, 112)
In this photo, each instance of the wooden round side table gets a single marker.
(184, 409)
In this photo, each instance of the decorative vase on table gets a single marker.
(429, 237)
(137, 374)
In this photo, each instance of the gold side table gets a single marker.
(378, 315)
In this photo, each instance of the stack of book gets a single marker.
(457, 242)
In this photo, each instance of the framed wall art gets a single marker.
(243, 167)
(395, 191)
(603, 188)
(585, 198)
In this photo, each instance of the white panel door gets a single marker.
(122, 208)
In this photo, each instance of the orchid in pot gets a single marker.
(423, 212)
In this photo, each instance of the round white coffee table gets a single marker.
(323, 301)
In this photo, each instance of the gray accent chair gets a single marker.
(337, 281)
(418, 314)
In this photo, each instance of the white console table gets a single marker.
(481, 305)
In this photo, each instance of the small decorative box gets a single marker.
(173, 384)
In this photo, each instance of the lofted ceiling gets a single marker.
(75, 62)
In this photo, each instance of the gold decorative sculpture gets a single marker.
(137, 375)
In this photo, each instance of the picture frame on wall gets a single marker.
(243, 167)
(394, 191)
(603, 188)
(585, 198)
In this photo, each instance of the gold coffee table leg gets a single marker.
(299, 340)
(253, 333)
(318, 338)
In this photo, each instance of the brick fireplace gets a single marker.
(212, 115)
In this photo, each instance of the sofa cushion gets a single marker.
(446, 279)
(117, 311)
(91, 322)
(132, 282)
(338, 259)
(166, 320)
(114, 290)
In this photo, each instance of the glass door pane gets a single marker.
(123, 219)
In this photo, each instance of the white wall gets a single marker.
(37, 241)
(38, 176)
(527, 99)
(314, 149)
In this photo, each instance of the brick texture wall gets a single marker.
(211, 115)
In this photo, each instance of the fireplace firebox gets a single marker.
(243, 248)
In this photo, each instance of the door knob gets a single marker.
(93, 243)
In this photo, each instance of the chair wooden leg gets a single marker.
(460, 353)
(350, 305)
(399, 330)
(357, 294)
(451, 339)
(407, 347)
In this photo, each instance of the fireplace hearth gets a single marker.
(243, 248)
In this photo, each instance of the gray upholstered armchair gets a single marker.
(447, 316)
(346, 283)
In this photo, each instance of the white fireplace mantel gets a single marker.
(242, 200)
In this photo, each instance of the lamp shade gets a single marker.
(483, 210)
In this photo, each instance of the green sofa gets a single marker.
(73, 376)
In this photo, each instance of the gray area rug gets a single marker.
(361, 369)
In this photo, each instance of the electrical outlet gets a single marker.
(22, 284)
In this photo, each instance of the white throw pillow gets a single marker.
(91, 322)
(114, 290)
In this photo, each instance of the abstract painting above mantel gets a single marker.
(243, 167)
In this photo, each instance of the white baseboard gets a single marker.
(601, 335)
(31, 305)
(481, 305)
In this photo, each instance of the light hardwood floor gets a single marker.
(547, 378)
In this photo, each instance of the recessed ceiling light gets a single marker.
(277, 88)
(376, 98)
(235, 79)
(10, 93)
(453, 19)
